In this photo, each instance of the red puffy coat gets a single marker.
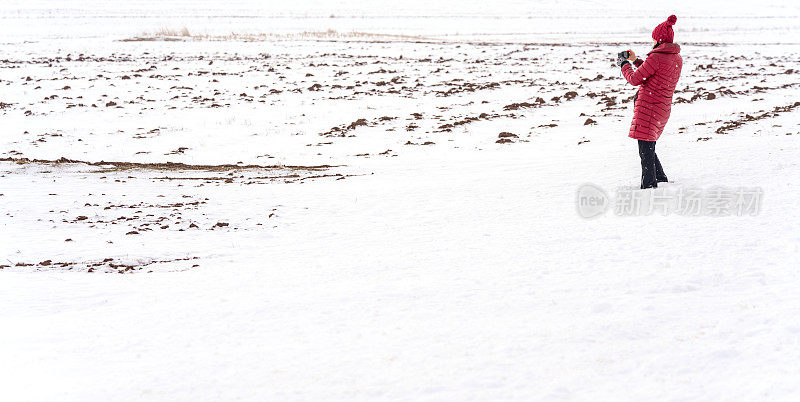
(658, 75)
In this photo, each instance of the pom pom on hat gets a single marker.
(672, 20)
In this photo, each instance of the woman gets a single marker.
(657, 77)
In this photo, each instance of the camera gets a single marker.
(624, 55)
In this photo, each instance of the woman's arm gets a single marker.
(642, 73)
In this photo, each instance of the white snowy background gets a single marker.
(408, 255)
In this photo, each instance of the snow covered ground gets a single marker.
(388, 212)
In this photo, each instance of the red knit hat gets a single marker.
(663, 32)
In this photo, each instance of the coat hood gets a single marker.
(671, 48)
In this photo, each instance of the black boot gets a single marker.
(660, 176)
(647, 154)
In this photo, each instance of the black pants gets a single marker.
(652, 173)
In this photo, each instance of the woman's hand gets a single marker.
(631, 55)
